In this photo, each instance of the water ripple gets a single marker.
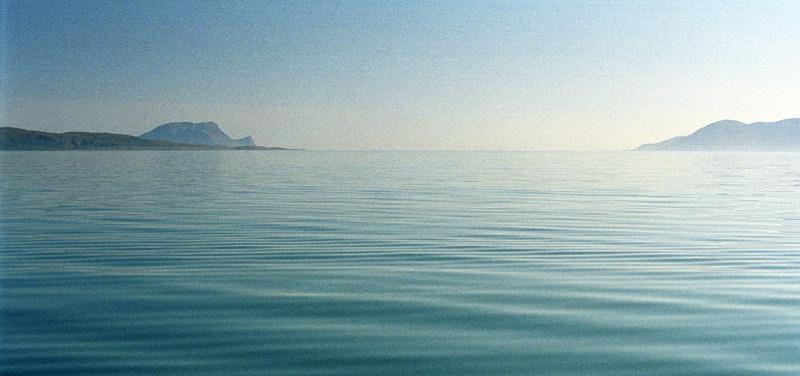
(241, 263)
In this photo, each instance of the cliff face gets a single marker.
(207, 133)
(246, 141)
(730, 135)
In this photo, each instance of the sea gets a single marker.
(399, 263)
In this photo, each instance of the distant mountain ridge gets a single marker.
(208, 136)
(23, 139)
(207, 133)
(732, 135)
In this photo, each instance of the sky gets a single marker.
(402, 75)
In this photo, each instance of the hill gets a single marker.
(207, 133)
(23, 139)
(731, 135)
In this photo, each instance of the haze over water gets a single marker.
(241, 263)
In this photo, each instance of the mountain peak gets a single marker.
(732, 135)
(205, 133)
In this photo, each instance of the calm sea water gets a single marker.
(282, 263)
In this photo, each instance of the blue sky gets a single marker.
(548, 75)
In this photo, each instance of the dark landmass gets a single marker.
(207, 133)
(23, 139)
(256, 147)
(731, 135)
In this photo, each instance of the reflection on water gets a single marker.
(244, 263)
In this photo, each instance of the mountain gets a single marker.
(731, 135)
(23, 139)
(207, 133)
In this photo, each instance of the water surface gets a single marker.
(283, 263)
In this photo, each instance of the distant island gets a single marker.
(170, 136)
(207, 133)
(731, 135)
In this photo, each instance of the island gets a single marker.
(207, 133)
(732, 135)
(170, 136)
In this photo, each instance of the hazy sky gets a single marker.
(548, 75)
